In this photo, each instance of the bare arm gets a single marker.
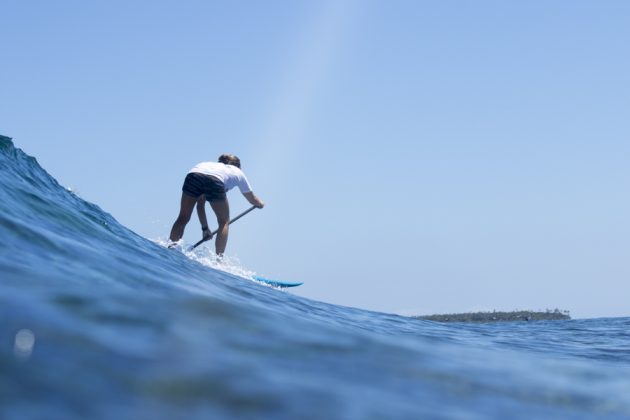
(201, 212)
(253, 200)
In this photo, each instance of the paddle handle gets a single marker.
(229, 223)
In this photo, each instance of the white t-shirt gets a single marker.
(229, 174)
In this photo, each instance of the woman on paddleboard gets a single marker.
(209, 181)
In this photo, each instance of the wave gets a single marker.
(99, 322)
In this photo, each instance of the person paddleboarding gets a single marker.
(209, 181)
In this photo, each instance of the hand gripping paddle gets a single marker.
(230, 222)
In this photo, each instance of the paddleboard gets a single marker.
(276, 283)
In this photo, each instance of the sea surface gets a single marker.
(97, 322)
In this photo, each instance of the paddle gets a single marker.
(230, 222)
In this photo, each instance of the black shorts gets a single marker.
(196, 184)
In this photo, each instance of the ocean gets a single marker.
(97, 322)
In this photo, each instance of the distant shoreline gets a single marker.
(494, 316)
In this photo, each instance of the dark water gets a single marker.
(98, 322)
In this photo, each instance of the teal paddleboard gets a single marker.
(276, 283)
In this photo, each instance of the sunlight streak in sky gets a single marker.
(289, 112)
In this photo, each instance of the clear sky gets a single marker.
(415, 157)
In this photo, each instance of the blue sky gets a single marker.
(415, 156)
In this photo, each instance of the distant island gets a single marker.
(494, 316)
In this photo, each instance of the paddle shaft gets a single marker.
(229, 223)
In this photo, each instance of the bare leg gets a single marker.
(186, 207)
(222, 210)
